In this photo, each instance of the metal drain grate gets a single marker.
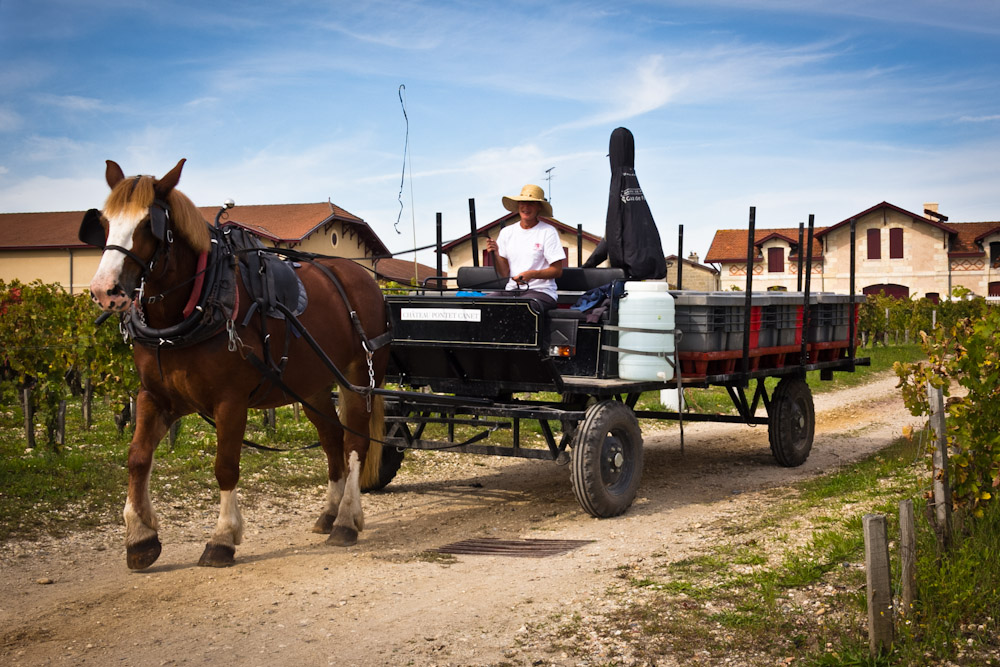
(522, 548)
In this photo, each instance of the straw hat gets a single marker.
(529, 193)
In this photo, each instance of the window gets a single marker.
(934, 297)
(896, 243)
(775, 260)
(334, 239)
(487, 258)
(994, 289)
(995, 255)
(874, 244)
(895, 291)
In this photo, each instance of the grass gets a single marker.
(754, 598)
(82, 484)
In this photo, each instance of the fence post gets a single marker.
(881, 628)
(87, 406)
(908, 556)
(61, 425)
(29, 417)
(942, 488)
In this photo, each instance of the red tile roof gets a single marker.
(730, 245)
(292, 223)
(401, 270)
(964, 244)
(34, 231)
(286, 223)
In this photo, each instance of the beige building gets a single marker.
(44, 246)
(896, 252)
(694, 276)
(459, 251)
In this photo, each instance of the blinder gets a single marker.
(92, 233)
(158, 215)
(91, 230)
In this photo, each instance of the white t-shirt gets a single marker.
(529, 250)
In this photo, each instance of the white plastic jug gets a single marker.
(646, 305)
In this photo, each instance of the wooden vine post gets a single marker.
(881, 627)
(942, 489)
(908, 556)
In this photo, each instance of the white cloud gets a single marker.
(73, 102)
(979, 119)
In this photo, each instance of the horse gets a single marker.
(158, 253)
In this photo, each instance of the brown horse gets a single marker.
(150, 273)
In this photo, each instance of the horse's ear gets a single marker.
(114, 174)
(166, 184)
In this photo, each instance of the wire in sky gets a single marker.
(406, 145)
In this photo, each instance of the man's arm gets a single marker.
(554, 270)
(501, 263)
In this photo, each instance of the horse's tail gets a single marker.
(376, 432)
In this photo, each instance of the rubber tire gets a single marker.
(792, 422)
(392, 459)
(603, 487)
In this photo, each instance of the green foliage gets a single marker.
(966, 354)
(51, 345)
(881, 314)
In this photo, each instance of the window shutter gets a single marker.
(874, 244)
(896, 243)
(775, 260)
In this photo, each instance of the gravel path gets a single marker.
(290, 599)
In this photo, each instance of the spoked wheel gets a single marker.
(607, 459)
(792, 422)
(391, 457)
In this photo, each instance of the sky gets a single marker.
(399, 111)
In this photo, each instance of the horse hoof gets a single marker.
(342, 536)
(217, 555)
(324, 524)
(141, 555)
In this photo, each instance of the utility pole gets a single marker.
(548, 177)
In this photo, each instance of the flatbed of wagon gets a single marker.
(479, 364)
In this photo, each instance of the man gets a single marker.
(529, 253)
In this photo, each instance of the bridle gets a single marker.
(92, 233)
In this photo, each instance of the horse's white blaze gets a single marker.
(120, 231)
(350, 513)
(229, 529)
(140, 521)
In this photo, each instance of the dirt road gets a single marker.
(290, 599)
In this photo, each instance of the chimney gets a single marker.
(693, 257)
(931, 211)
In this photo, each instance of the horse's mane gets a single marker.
(131, 197)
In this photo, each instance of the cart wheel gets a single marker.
(392, 457)
(792, 422)
(607, 459)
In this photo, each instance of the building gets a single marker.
(694, 276)
(577, 244)
(896, 251)
(44, 246)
